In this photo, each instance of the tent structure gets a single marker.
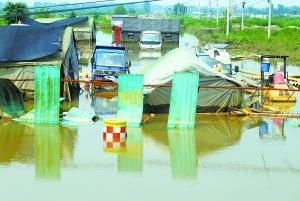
(24, 47)
(132, 28)
(157, 99)
(84, 27)
(84, 30)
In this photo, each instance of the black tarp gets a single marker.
(25, 43)
(11, 99)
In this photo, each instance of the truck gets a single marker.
(150, 40)
(108, 62)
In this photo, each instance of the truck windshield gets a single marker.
(110, 59)
(150, 38)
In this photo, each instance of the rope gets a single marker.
(108, 83)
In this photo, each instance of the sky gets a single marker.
(255, 3)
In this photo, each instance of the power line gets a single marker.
(82, 8)
(69, 4)
(66, 4)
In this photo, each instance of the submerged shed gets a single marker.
(132, 28)
(24, 47)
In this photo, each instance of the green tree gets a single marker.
(72, 14)
(120, 10)
(45, 14)
(15, 12)
(180, 9)
(132, 11)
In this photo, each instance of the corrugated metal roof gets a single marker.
(161, 25)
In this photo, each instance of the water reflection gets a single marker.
(210, 134)
(272, 129)
(131, 160)
(47, 151)
(47, 146)
(13, 141)
(182, 147)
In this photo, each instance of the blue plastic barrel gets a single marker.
(265, 66)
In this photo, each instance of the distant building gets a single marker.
(132, 28)
(147, 7)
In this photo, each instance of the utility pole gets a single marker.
(270, 18)
(227, 21)
(217, 12)
(243, 13)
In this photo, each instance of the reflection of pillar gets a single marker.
(47, 151)
(132, 159)
(183, 153)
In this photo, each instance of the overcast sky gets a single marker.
(258, 3)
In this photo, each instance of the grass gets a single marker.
(285, 38)
(103, 22)
(2, 21)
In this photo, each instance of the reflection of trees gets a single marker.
(131, 160)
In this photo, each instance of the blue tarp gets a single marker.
(25, 43)
(58, 23)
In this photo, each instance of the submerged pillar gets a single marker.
(46, 94)
(183, 102)
(130, 99)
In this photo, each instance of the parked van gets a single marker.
(150, 40)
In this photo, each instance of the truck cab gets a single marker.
(108, 62)
(150, 40)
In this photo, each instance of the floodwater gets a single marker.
(222, 158)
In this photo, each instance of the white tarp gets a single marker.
(177, 60)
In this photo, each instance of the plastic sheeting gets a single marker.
(47, 94)
(130, 98)
(183, 100)
(25, 43)
(209, 100)
(11, 100)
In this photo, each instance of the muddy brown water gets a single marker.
(222, 158)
